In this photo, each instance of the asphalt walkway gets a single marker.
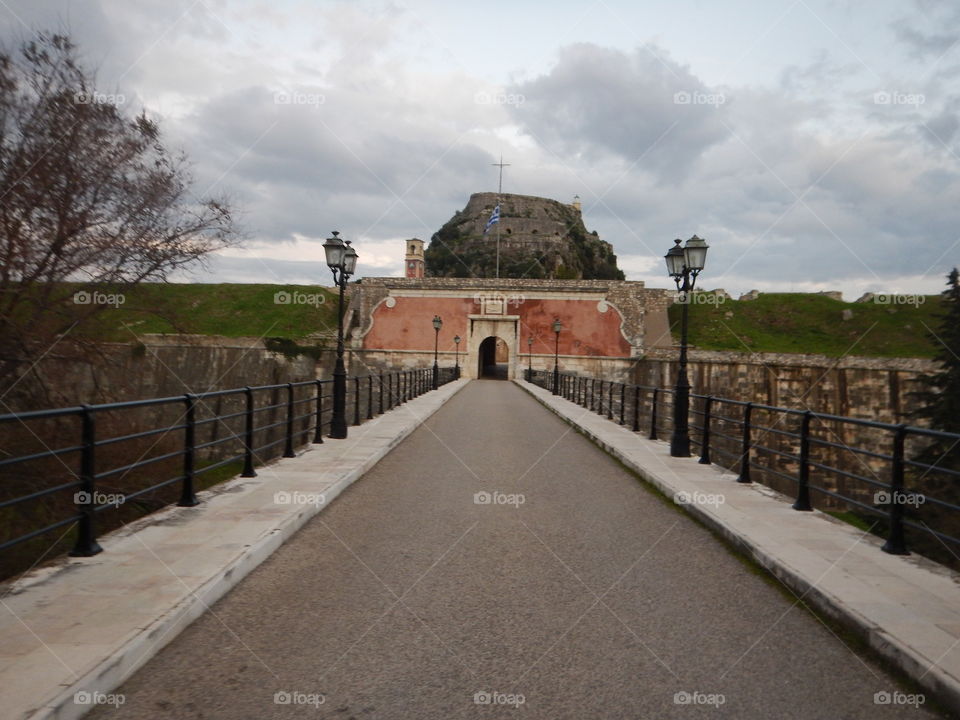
(498, 564)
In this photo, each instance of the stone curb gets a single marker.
(923, 670)
(143, 643)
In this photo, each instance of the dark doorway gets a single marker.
(493, 359)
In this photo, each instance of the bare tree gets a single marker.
(87, 193)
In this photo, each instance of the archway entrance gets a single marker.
(493, 359)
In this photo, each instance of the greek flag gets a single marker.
(494, 219)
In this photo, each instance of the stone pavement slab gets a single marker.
(906, 607)
(84, 625)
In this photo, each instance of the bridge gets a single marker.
(487, 548)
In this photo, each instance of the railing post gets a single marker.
(653, 414)
(636, 408)
(803, 479)
(288, 445)
(896, 543)
(623, 400)
(744, 476)
(369, 397)
(356, 401)
(318, 431)
(610, 401)
(86, 544)
(705, 440)
(248, 470)
(380, 389)
(187, 496)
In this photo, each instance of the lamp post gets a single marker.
(342, 261)
(530, 359)
(456, 350)
(684, 265)
(557, 327)
(437, 324)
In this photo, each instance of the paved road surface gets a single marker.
(592, 599)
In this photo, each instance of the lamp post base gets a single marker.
(680, 446)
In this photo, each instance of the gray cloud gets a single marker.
(642, 106)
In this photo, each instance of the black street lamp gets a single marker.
(683, 265)
(557, 327)
(437, 324)
(530, 359)
(456, 350)
(342, 261)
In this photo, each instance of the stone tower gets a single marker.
(413, 262)
(576, 203)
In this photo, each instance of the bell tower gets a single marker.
(413, 261)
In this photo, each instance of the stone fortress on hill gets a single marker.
(551, 268)
(539, 238)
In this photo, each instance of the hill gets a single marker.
(810, 323)
(231, 310)
(539, 238)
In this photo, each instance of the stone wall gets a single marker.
(866, 388)
(163, 366)
(863, 387)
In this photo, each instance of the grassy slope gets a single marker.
(784, 322)
(232, 310)
(802, 323)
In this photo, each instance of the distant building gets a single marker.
(413, 261)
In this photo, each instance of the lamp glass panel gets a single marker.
(349, 260)
(334, 250)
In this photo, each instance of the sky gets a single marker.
(814, 145)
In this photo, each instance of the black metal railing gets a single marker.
(871, 469)
(118, 452)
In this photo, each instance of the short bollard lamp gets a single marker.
(530, 359)
(437, 324)
(342, 261)
(684, 265)
(456, 356)
(557, 327)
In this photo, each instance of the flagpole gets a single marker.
(499, 193)
(501, 165)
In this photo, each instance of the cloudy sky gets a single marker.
(813, 143)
